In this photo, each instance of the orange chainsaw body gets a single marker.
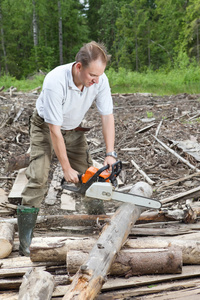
(91, 171)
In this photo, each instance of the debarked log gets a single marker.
(91, 276)
(54, 249)
(6, 239)
(132, 262)
(190, 248)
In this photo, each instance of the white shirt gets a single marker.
(62, 103)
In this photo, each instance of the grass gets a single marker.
(173, 82)
(23, 85)
(160, 83)
(149, 114)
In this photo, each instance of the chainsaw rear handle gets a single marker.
(116, 169)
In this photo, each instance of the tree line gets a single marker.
(140, 35)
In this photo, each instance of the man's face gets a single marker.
(90, 75)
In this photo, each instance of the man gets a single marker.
(67, 94)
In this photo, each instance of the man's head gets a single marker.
(91, 52)
(90, 64)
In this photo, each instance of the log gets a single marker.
(91, 276)
(54, 249)
(190, 248)
(6, 239)
(37, 285)
(163, 215)
(132, 262)
(18, 162)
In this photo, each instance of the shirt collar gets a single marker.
(71, 83)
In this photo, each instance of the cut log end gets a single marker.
(5, 248)
(6, 239)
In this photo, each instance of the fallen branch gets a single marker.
(175, 154)
(145, 128)
(178, 180)
(158, 128)
(142, 172)
(181, 195)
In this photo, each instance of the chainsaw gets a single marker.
(101, 184)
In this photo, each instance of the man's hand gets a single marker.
(109, 160)
(71, 175)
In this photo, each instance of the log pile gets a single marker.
(152, 247)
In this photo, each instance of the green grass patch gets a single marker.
(23, 85)
(149, 114)
(173, 82)
(160, 83)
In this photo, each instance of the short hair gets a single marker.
(92, 51)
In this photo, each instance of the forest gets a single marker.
(140, 35)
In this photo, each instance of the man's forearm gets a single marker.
(108, 129)
(59, 147)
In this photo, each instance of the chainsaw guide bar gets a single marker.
(101, 184)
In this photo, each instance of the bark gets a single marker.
(190, 248)
(37, 285)
(132, 262)
(3, 43)
(18, 162)
(91, 276)
(60, 33)
(54, 249)
(35, 26)
(6, 239)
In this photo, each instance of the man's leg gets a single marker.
(77, 150)
(37, 174)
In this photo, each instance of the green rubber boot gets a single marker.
(26, 218)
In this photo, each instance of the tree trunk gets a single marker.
(132, 262)
(35, 27)
(3, 43)
(91, 276)
(60, 33)
(6, 239)
(37, 285)
(35, 32)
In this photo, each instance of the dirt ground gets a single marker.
(138, 118)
